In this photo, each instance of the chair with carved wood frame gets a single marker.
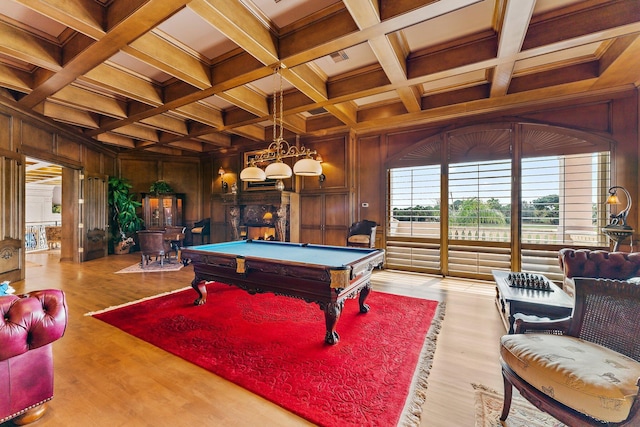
(585, 369)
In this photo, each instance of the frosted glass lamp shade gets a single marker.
(278, 170)
(307, 167)
(252, 174)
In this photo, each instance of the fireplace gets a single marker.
(259, 233)
(263, 215)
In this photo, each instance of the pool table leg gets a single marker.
(332, 313)
(201, 288)
(364, 293)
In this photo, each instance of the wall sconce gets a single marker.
(225, 186)
(322, 177)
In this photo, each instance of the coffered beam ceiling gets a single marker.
(196, 76)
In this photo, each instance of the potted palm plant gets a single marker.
(124, 219)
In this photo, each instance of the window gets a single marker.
(480, 201)
(551, 181)
(563, 199)
(415, 202)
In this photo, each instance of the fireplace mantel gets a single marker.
(263, 208)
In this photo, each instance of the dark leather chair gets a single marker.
(583, 370)
(152, 243)
(31, 323)
(201, 229)
(362, 234)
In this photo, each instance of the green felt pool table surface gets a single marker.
(330, 256)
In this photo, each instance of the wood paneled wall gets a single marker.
(354, 165)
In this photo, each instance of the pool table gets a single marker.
(326, 275)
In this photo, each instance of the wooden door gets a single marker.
(336, 219)
(96, 211)
(311, 218)
(12, 226)
(324, 218)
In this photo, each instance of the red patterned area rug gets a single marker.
(274, 346)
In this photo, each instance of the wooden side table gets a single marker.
(553, 303)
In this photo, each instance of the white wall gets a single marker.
(39, 203)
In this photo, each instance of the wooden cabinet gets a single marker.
(324, 218)
(162, 210)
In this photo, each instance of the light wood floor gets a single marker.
(104, 377)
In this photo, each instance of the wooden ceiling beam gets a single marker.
(217, 139)
(91, 101)
(156, 51)
(579, 21)
(124, 84)
(512, 29)
(167, 123)
(390, 50)
(253, 132)
(307, 81)
(31, 49)
(69, 115)
(201, 132)
(137, 23)
(188, 145)
(615, 69)
(138, 132)
(117, 140)
(15, 79)
(346, 112)
(84, 16)
(201, 113)
(237, 23)
(554, 77)
(168, 151)
(366, 13)
(247, 99)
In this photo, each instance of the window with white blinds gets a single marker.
(563, 199)
(415, 202)
(480, 201)
(557, 178)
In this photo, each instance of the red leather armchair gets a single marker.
(30, 323)
(597, 264)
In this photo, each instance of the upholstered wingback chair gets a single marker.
(585, 369)
(30, 323)
(362, 234)
(596, 263)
